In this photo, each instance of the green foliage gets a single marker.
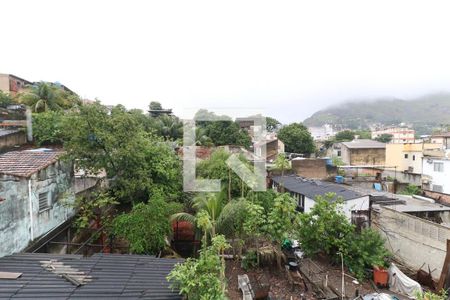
(202, 278)
(44, 96)
(363, 134)
(272, 124)
(221, 130)
(147, 226)
(281, 219)
(255, 222)
(282, 163)
(411, 189)
(91, 207)
(326, 229)
(5, 99)
(428, 295)
(344, 136)
(48, 127)
(264, 199)
(384, 138)
(337, 161)
(296, 138)
(364, 251)
(139, 163)
(250, 261)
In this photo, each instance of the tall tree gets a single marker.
(296, 138)
(345, 136)
(137, 163)
(45, 96)
(272, 124)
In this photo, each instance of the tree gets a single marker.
(281, 219)
(272, 124)
(384, 138)
(5, 99)
(345, 136)
(296, 138)
(48, 127)
(147, 226)
(138, 163)
(45, 96)
(154, 105)
(213, 215)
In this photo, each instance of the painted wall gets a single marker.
(437, 178)
(349, 205)
(16, 228)
(412, 240)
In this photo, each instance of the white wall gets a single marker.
(349, 205)
(437, 178)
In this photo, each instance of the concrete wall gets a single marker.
(16, 228)
(310, 168)
(437, 178)
(412, 240)
(13, 139)
(406, 178)
(4, 83)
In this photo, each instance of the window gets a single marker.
(43, 201)
(406, 155)
(339, 153)
(437, 188)
(301, 203)
(414, 157)
(438, 167)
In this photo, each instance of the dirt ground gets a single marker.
(281, 289)
(279, 285)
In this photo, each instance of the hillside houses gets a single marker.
(360, 152)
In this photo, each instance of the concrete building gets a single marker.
(442, 138)
(12, 84)
(35, 188)
(408, 157)
(273, 147)
(305, 192)
(399, 134)
(314, 168)
(322, 133)
(361, 152)
(436, 174)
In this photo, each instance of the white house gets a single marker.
(436, 174)
(305, 192)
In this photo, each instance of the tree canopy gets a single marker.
(296, 138)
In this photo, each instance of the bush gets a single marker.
(201, 278)
(327, 230)
(47, 127)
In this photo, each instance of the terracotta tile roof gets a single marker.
(25, 163)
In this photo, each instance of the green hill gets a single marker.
(423, 113)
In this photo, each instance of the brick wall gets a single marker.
(439, 197)
(310, 168)
(367, 156)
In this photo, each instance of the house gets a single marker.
(399, 134)
(35, 188)
(273, 147)
(12, 84)
(441, 138)
(105, 276)
(322, 133)
(361, 152)
(436, 174)
(305, 192)
(407, 157)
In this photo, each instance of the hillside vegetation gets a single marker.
(423, 113)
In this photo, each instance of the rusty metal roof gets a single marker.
(26, 163)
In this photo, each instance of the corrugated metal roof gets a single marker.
(112, 276)
(313, 188)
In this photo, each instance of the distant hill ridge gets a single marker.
(423, 113)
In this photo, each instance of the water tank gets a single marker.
(339, 179)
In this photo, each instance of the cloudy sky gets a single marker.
(284, 58)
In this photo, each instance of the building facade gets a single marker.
(36, 189)
(305, 192)
(408, 157)
(361, 152)
(436, 174)
(12, 84)
(399, 134)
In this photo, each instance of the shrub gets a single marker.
(250, 260)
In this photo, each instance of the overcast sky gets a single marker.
(285, 58)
